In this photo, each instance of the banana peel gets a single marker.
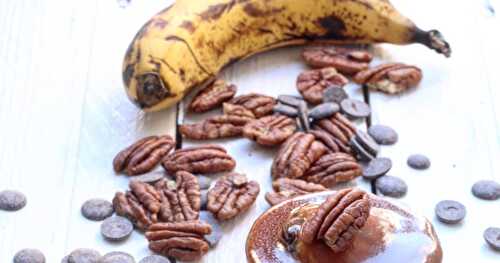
(190, 42)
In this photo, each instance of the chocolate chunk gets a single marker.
(355, 108)
(376, 168)
(418, 161)
(117, 257)
(323, 110)
(151, 177)
(203, 199)
(303, 117)
(116, 228)
(155, 259)
(450, 212)
(367, 142)
(383, 135)
(97, 209)
(486, 189)
(391, 186)
(29, 255)
(290, 100)
(204, 181)
(285, 110)
(11, 200)
(362, 153)
(214, 237)
(492, 237)
(84, 255)
(334, 94)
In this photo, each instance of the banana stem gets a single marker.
(434, 40)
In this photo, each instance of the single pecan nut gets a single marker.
(232, 195)
(141, 204)
(286, 188)
(390, 78)
(332, 169)
(296, 155)
(338, 219)
(201, 159)
(254, 104)
(270, 130)
(345, 60)
(183, 241)
(312, 83)
(212, 96)
(222, 126)
(180, 201)
(340, 131)
(142, 156)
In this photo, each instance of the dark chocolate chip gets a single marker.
(217, 232)
(376, 168)
(204, 181)
(11, 200)
(391, 186)
(97, 209)
(355, 108)
(84, 255)
(383, 135)
(286, 110)
(29, 255)
(361, 152)
(323, 110)
(334, 94)
(116, 228)
(367, 142)
(486, 189)
(117, 257)
(418, 161)
(203, 199)
(155, 259)
(303, 117)
(290, 100)
(492, 237)
(150, 177)
(450, 212)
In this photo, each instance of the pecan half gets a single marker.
(270, 130)
(296, 155)
(285, 188)
(212, 96)
(340, 131)
(338, 219)
(180, 201)
(332, 169)
(390, 78)
(183, 241)
(345, 60)
(201, 159)
(257, 104)
(140, 205)
(312, 83)
(232, 195)
(142, 156)
(222, 126)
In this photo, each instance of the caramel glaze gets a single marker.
(391, 234)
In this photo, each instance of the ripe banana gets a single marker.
(188, 43)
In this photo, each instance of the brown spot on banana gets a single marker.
(188, 25)
(253, 11)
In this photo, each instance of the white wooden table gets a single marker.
(63, 116)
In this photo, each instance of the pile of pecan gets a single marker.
(168, 210)
(318, 148)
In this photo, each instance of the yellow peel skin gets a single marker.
(190, 42)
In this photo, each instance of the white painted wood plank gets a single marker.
(451, 119)
(271, 73)
(43, 71)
